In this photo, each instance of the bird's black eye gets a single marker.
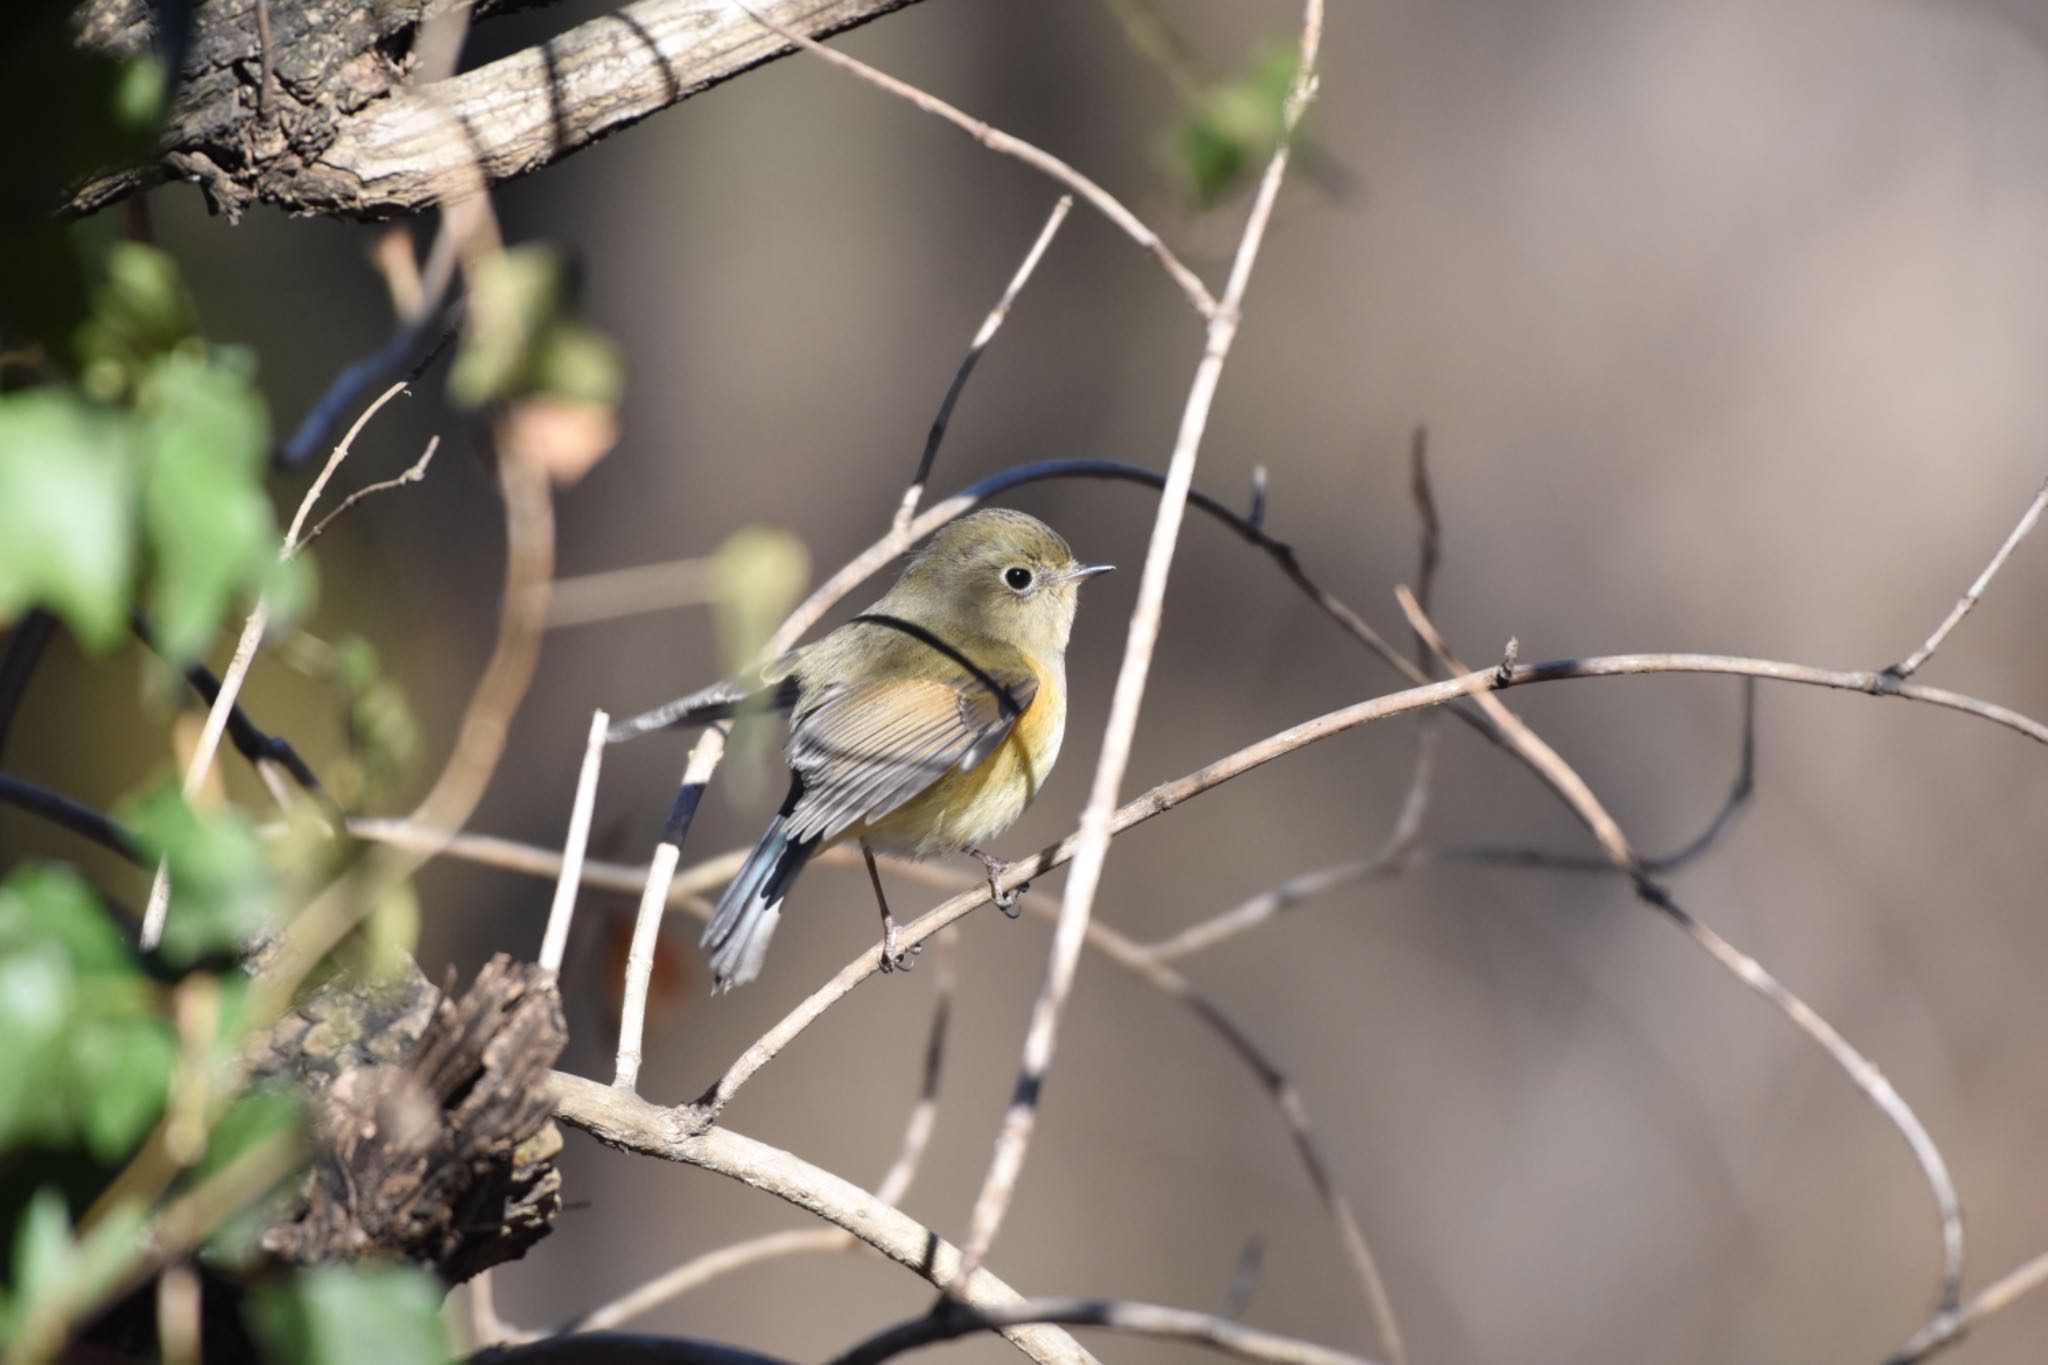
(1018, 578)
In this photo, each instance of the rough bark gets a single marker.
(346, 135)
(433, 1111)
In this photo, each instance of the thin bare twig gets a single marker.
(704, 757)
(951, 1320)
(912, 495)
(1944, 1330)
(623, 1120)
(996, 140)
(1559, 775)
(1013, 1140)
(701, 1270)
(413, 474)
(555, 942)
(1909, 665)
(158, 905)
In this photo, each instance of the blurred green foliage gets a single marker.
(1231, 127)
(523, 340)
(351, 1315)
(137, 475)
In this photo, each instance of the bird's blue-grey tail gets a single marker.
(740, 928)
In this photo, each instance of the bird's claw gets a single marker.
(892, 960)
(1005, 901)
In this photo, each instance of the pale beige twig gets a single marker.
(703, 761)
(1014, 1138)
(996, 140)
(157, 907)
(554, 943)
(1909, 665)
(624, 1121)
(701, 1270)
(414, 472)
(951, 1320)
(1559, 775)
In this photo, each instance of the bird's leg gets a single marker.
(1005, 901)
(892, 961)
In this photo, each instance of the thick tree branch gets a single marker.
(350, 138)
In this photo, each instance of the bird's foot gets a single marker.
(892, 960)
(1005, 901)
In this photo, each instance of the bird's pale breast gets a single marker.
(968, 809)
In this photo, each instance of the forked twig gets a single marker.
(158, 904)
(1909, 665)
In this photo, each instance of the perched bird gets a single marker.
(925, 725)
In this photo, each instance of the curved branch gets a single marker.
(629, 1123)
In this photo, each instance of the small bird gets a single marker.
(925, 725)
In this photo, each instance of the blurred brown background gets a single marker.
(1730, 324)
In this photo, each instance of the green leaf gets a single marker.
(220, 880)
(43, 903)
(521, 339)
(37, 989)
(205, 431)
(758, 574)
(573, 360)
(351, 1315)
(120, 1078)
(140, 310)
(1232, 127)
(67, 480)
(515, 297)
(42, 1247)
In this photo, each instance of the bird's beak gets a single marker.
(1081, 571)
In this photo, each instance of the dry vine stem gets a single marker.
(1012, 1142)
(1862, 1073)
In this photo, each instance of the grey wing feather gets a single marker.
(864, 751)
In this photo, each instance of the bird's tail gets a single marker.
(745, 919)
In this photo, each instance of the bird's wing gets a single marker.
(861, 750)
